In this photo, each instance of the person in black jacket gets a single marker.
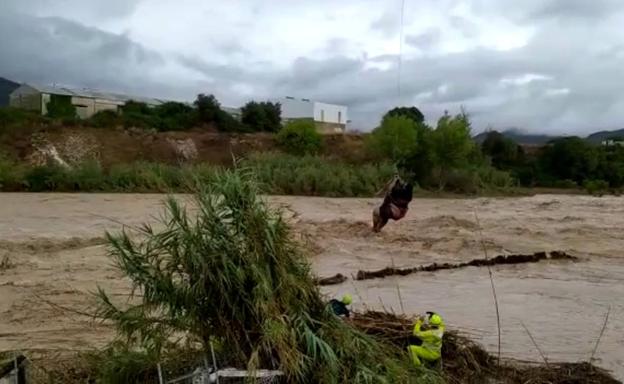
(340, 307)
(398, 195)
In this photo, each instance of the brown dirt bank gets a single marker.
(115, 146)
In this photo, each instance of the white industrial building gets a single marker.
(329, 118)
(87, 102)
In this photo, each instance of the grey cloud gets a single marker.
(209, 69)
(465, 26)
(101, 9)
(335, 46)
(530, 11)
(473, 79)
(388, 24)
(54, 50)
(576, 9)
(425, 40)
(311, 74)
(582, 62)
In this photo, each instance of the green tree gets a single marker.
(173, 116)
(503, 152)
(208, 111)
(396, 139)
(104, 119)
(611, 165)
(570, 158)
(451, 144)
(412, 113)
(262, 116)
(208, 108)
(300, 137)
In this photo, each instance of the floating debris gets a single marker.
(501, 259)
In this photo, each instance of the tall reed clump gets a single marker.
(230, 273)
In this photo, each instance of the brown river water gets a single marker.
(52, 258)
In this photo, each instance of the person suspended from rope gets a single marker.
(340, 307)
(397, 196)
(426, 339)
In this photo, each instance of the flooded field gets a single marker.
(52, 258)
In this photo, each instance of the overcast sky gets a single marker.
(551, 66)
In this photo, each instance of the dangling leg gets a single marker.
(379, 220)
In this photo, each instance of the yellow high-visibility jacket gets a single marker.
(431, 339)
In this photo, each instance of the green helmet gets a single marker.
(347, 299)
(435, 320)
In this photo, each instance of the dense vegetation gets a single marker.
(169, 116)
(440, 157)
(277, 173)
(568, 162)
(300, 137)
(262, 117)
(446, 157)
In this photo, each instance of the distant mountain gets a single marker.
(540, 139)
(599, 137)
(519, 137)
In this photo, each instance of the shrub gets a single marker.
(10, 117)
(461, 181)
(317, 176)
(477, 179)
(596, 187)
(144, 177)
(227, 123)
(137, 114)
(492, 178)
(565, 183)
(43, 178)
(173, 116)
(87, 177)
(299, 137)
(11, 175)
(105, 119)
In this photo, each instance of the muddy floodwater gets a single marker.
(52, 257)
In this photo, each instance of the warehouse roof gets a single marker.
(94, 94)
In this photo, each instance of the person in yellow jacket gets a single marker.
(426, 341)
